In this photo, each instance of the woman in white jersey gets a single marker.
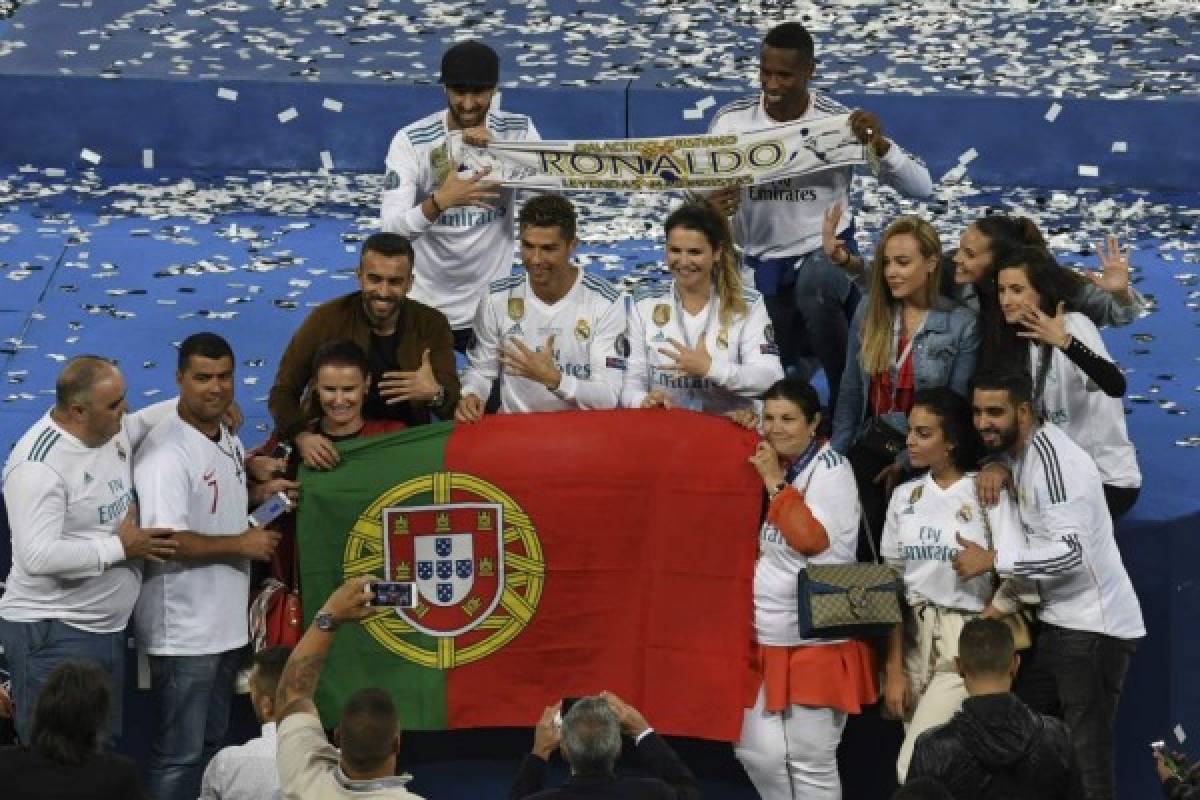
(803, 689)
(924, 519)
(702, 342)
(1076, 385)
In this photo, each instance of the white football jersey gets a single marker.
(588, 326)
(187, 482)
(1071, 552)
(783, 218)
(466, 247)
(831, 494)
(920, 530)
(1093, 420)
(745, 359)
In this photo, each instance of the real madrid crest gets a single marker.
(661, 314)
(583, 330)
(516, 308)
(916, 494)
(964, 514)
(723, 339)
(473, 555)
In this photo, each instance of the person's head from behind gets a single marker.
(547, 231)
(791, 414)
(989, 238)
(341, 381)
(591, 737)
(922, 789)
(987, 658)
(470, 72)
(70, 715)
(89, 399)
(264, 680)
(369, 735)
(941, 433)
(785, 67)
(1029, 279)
(1002, 408)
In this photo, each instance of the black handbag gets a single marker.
(880, 439)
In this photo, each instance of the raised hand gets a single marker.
(1045, 328)
(1114, 270)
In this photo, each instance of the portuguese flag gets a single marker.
(554, 555)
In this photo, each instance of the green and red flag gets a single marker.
(555, 555)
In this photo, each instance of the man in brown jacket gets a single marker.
(408, 344)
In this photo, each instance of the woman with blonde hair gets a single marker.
(905, 337)
(702, 342)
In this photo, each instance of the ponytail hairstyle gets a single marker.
(878, 320)
(701, 217)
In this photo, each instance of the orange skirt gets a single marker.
(842, 676)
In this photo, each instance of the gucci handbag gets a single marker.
(847, 601)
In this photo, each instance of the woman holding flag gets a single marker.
(803, 689)
(703, 342)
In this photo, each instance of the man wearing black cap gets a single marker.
(460, 225)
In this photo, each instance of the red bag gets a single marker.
(275, 616)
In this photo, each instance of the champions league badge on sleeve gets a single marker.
(473, 555)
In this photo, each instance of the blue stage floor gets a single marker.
(233, 230)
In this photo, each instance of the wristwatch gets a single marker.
(326, 621)
(438, 398)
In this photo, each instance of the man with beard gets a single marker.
(408, 344)
(1090, 615)
(810, 295)
(460, 224)
(191, 616)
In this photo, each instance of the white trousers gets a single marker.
(942, 699)
(792, 755)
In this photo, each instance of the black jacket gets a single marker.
(673, 781)
(996, 748)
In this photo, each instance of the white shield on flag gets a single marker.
(445, 567)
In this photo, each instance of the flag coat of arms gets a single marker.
(554, 555)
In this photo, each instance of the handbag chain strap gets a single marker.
(987, 529)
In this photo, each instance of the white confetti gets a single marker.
(705, 103)
(148, 158)
(329, 104)
(1053, 112)
(1180, 736)
(1089, 171)
(692, 113)
(287, 115)
(1120, 147)
(90, 156)
(227, 94)
(327, 159)
(968, 157)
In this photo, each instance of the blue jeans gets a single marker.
(34, 649)
(192, 695)
(811, 313)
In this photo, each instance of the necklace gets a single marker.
(234, 453)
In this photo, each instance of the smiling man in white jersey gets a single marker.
(461, 225)
(810, 298)
(1091, 618)
(554, 337)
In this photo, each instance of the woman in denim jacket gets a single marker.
(904, 338)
